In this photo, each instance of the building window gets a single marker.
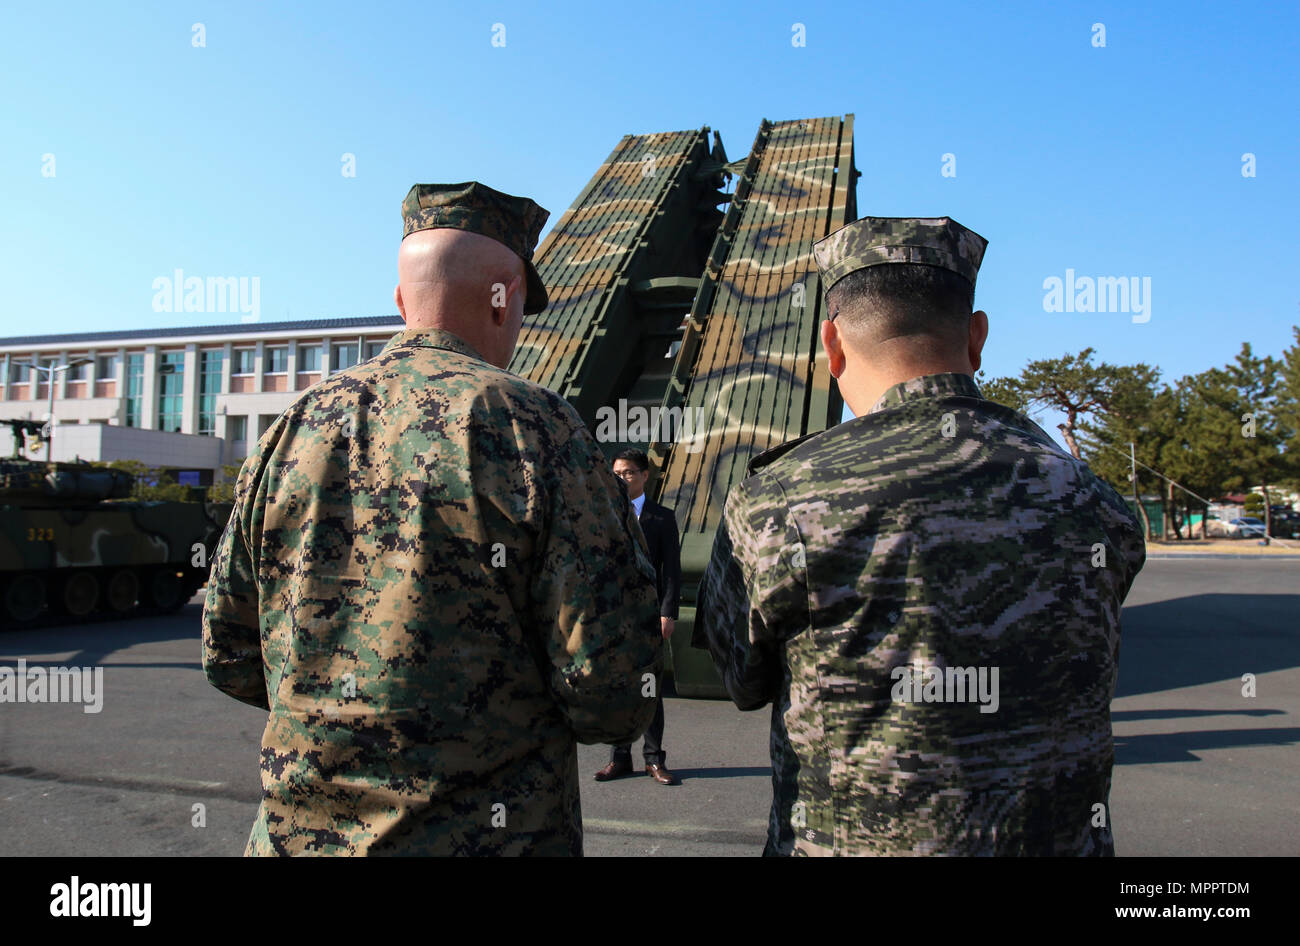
(345, 356)
(211, 362)
(20, 372)
(374, 348)
(236, 429)
(171, 390)
(106, 368)
(309, 358)
(276, 360)
(77, 372)
(243, 361)
(134, 389)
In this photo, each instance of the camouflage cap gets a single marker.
(875, 241)
(515, 222)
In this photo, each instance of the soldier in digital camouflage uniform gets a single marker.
(862, 573)
(431, 579)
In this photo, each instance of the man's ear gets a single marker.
(979, 333)
(834, 346)
(504, 295)
(397, 297)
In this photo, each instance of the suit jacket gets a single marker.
(659, 524)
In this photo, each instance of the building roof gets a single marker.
(239, 328)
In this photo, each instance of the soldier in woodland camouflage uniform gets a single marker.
(864, 577)
(431, 579)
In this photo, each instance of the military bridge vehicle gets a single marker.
(661, 302)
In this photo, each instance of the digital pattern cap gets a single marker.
(875, 241)
(512, 221)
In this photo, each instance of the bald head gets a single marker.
(466, 284)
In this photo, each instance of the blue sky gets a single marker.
(225, 160)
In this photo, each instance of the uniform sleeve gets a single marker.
(1124, 530)
(753, 596)
(594, 600)
(232, 640)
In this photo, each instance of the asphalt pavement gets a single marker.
(170, 765)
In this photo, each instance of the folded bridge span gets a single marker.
(665, 308)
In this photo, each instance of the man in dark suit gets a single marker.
(660, 528)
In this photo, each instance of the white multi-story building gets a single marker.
(185, 399)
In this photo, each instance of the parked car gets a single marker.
(1247, 527)
(1218, 528)
(1286, 525)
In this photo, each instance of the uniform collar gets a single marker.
(432, 338)
(926, 386)
(950, 384)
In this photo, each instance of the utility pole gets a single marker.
(50, 372)
(1137, 500)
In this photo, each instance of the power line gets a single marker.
(1093, 444)
(1133, 459)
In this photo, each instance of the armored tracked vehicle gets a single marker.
(74, 547)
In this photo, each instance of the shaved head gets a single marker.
(464, 283)
(888, 324)
(927, 306)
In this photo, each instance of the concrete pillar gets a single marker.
(60, 379)
(119, 384)
(227, 367)
(149, 391)
(190, 391)
(258, 374)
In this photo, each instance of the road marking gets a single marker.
(151, 782)
(132, 783)
(745, 832)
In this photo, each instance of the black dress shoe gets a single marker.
(616, 769)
